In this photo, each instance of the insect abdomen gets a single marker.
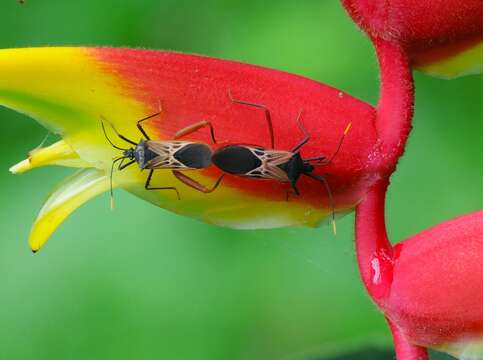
(195, 156)
(235, 159)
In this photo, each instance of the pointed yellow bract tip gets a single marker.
(34, 246)
(59, 153)
(68, 196)
(21, 167)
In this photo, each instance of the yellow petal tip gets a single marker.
(34, 244)
(68, 196)
(21, 167)
(59, 153)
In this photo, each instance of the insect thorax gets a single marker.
(295, 167)
(140, 153)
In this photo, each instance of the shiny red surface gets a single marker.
(405, 350)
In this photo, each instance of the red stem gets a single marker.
(374, 251)
(394, 119)
(393, 123)
(405, 350)
(396, 102)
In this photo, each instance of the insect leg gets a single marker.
(194, 127)
(306, 138)
(140, 127)
(185, 179)
(268, 117)
(148, 182)
(120, 164)
(117, 133)
(111, 192)
(329, 193)
(123, 166)
(290, 192)
(315, 158)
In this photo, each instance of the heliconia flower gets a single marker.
(70, 90)
(428, 286)
(442, 37)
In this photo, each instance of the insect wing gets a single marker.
(194, 155)
(270, 159)
(164, 154)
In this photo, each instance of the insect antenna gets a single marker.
(329, 193)
(107, 137)
(339, 146)
(110, 179)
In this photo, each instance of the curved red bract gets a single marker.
(435, 294)
(431, 31)
(419, 24)
(191, 88)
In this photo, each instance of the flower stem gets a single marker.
(393, 123)
(404, 349)
(396, 102)
(375, 253)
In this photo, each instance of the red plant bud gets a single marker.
(428, 286)
(444, 37)
(437, 282)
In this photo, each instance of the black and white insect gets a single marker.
(282, 165)
(175, 155)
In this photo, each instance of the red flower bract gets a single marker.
(190, 88)
(70, 90)
(431, 31)
(419, 23)
(435, 293)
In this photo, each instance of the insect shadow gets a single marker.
(175, 155)
(258, 162)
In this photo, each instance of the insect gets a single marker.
(175, 155)
(285, 166)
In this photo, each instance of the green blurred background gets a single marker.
(116, 285)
